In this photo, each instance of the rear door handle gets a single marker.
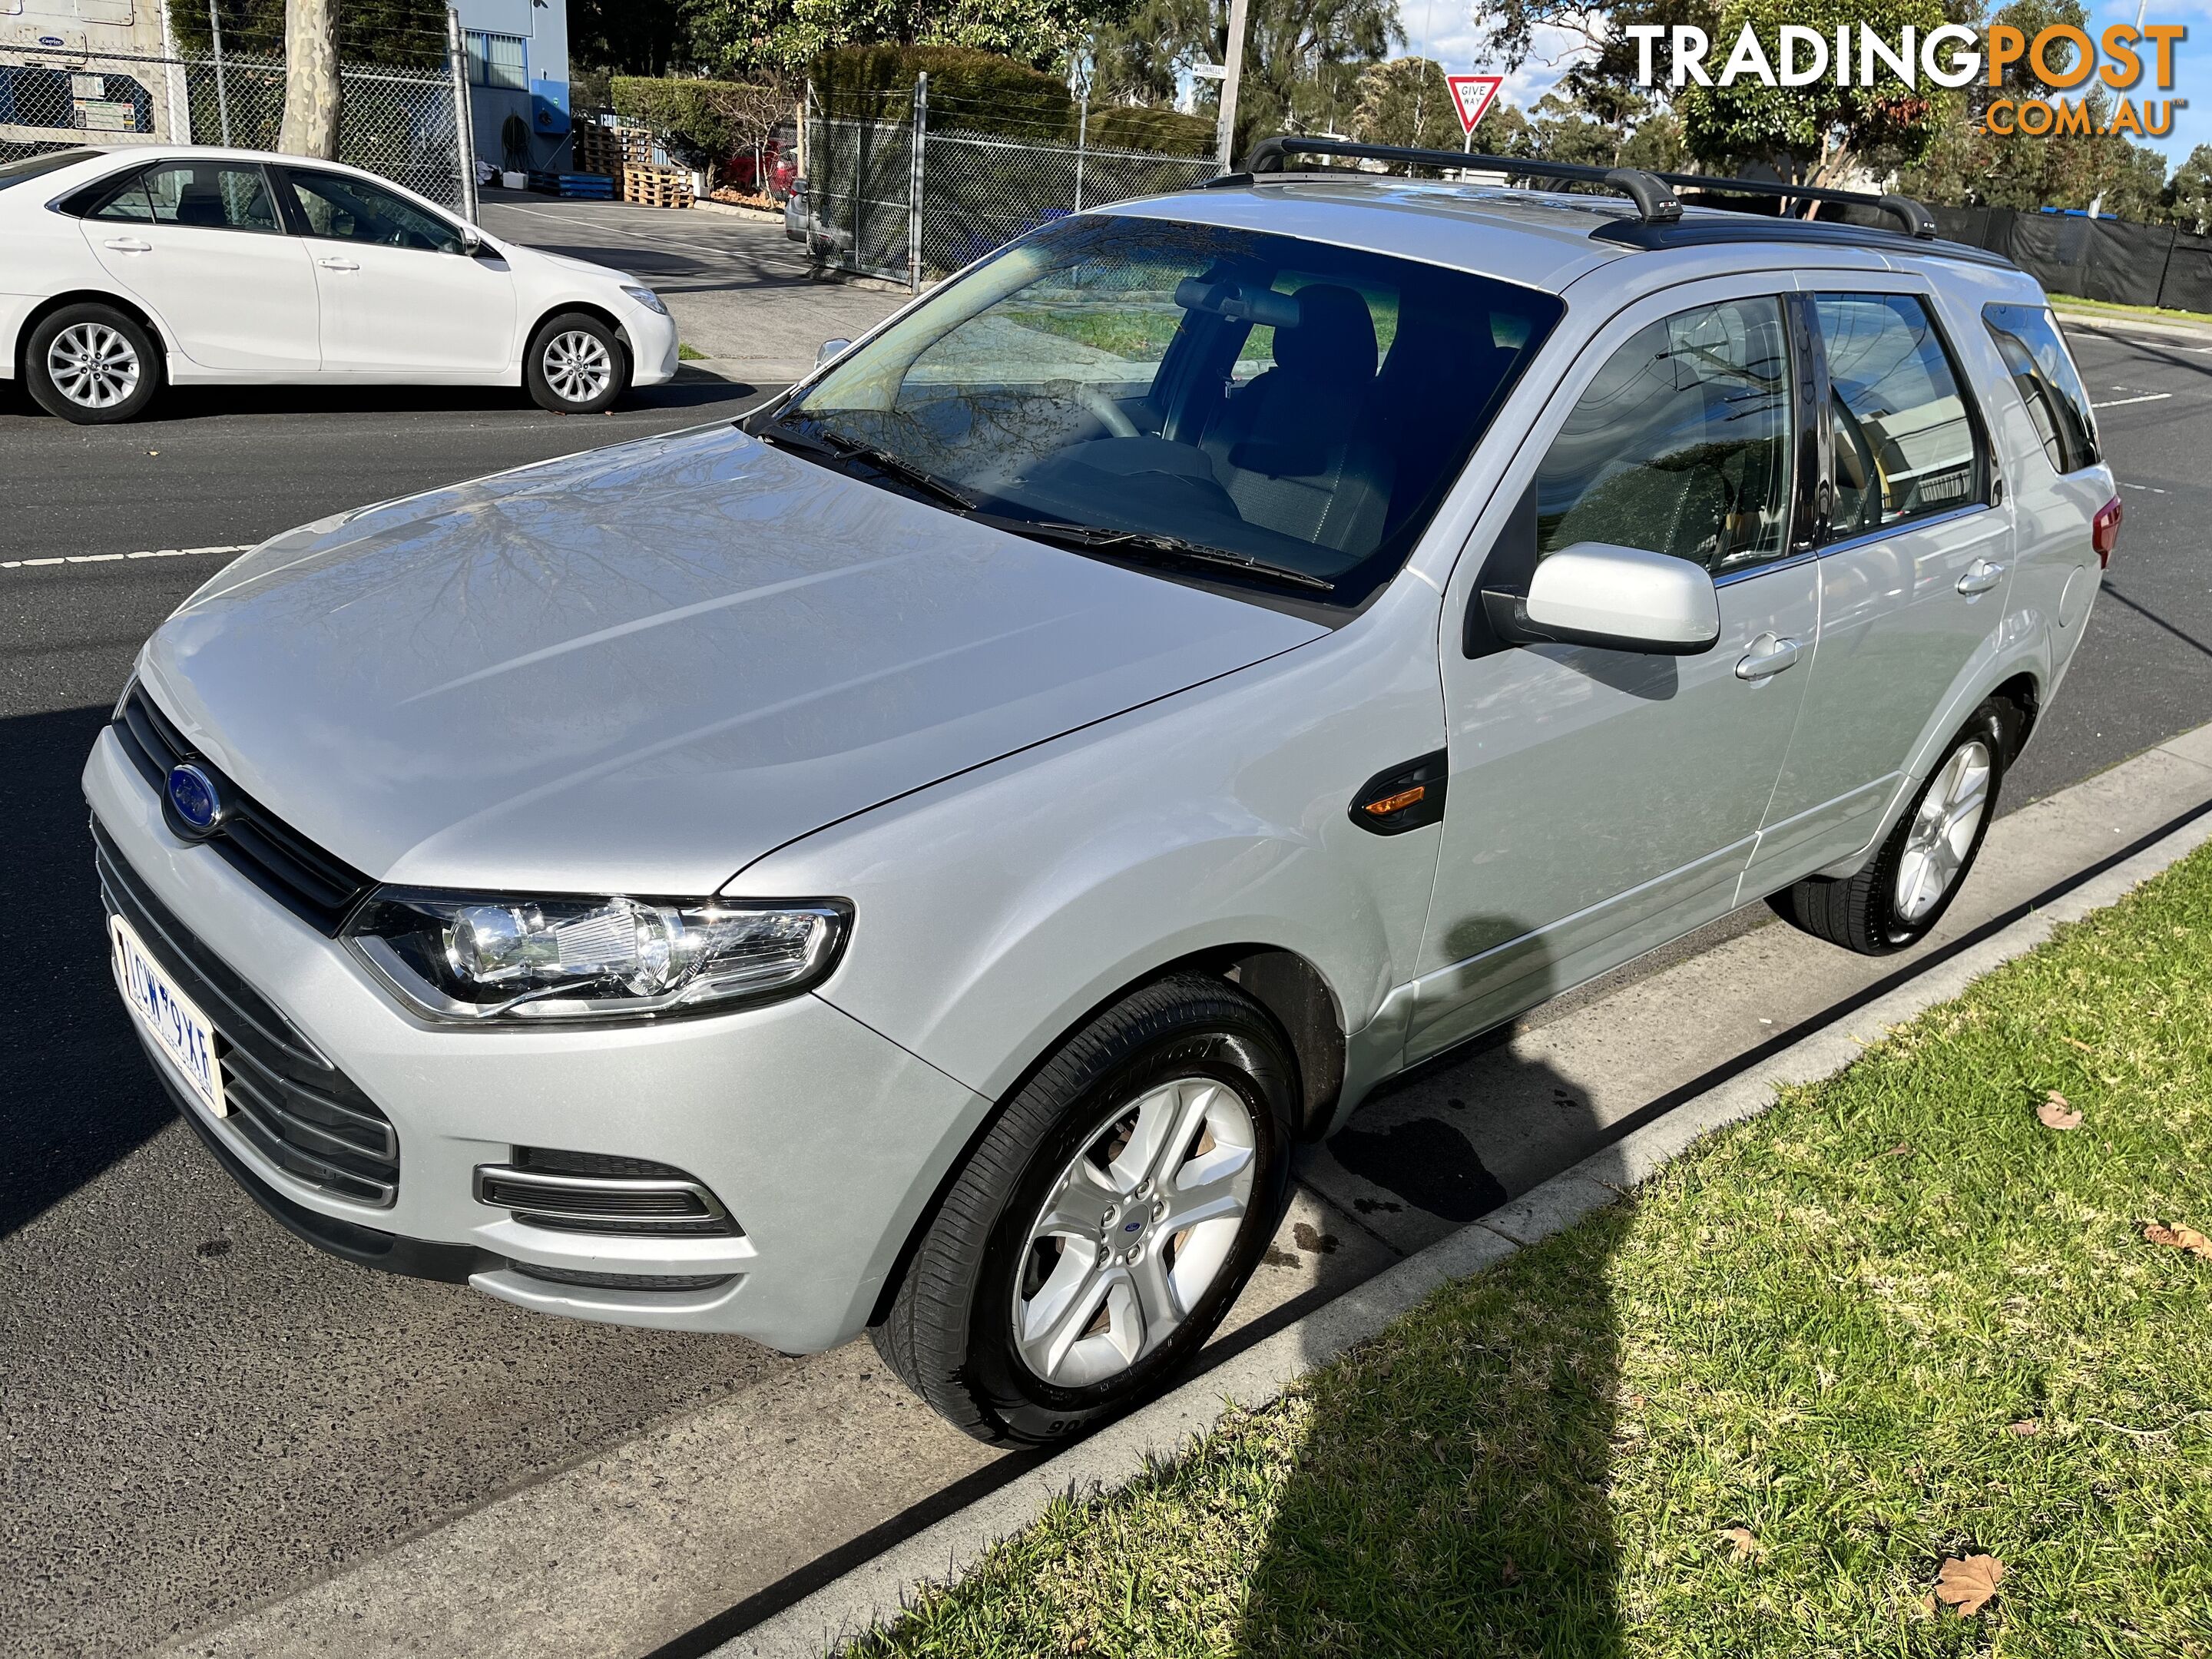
(1770, 654)
(1980, 577)
(129, 245)
(337, 265)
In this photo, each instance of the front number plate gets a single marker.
(170, 1017)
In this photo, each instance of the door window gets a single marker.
(344, 210)
(211, 195)
(1907, 444)
(2050, 384)
(1681, 445)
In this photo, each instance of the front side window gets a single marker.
(1154, 391)
(1681, 445)
(210, 195)
(1906, 443)
(2036, 356)
(346, 209)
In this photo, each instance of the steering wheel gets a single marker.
(1111, 415)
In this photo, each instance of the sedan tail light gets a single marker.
(2105, 531)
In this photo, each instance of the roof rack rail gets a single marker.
(1917, 220)
(1655, 203)
(1652, 192)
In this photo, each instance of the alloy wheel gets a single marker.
(92, 365)
(1943, 831)
(578, 365)
(1138, 1227)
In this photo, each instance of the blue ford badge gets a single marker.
(191, 791)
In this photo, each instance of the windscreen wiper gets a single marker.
(836, 447)
(1141, 543)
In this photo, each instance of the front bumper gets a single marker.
(824, 1139)
(654, 336)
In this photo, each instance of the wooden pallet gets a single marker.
(608, 150)
(661, 187)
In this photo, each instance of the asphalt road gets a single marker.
(200, 1413)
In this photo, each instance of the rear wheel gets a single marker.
(92, 364)
(1910, 883)
(576, 365)
(1109, 1217)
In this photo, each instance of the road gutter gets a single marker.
(878, 1591)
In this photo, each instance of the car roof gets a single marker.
(1540, 239)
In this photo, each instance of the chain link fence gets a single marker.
(400, 123)
(903, 200)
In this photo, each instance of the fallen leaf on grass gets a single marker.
(1901, 1150)
(1508, 1574)
(2054, 1113)
(2027, 1426)
(2177, 1238)
(1967, 1584)
(2085, 1047)
(1745, 1544)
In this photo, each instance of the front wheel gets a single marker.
(576, 365)
(1904, 889)
(91, 364)
(1107, 1222)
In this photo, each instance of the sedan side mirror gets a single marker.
(472, 242)
(1621, 598)
(830, 349)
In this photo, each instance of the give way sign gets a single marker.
(1471, 94)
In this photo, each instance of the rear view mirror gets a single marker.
(1621, 598)
(830, 349)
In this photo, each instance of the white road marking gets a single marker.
(2153, 488)
(113, 558)
(2148, 397)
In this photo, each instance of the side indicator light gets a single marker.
(1397, 803)
(1408, 796)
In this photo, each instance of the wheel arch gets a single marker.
(590, 309)
(1282, 982)
(87, 296)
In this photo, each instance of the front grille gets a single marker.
(288, 1102)
(625, 1281)
(601, 1192)
(311, 883)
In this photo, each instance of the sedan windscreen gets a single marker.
(1271, 408)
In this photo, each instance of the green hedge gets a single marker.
(701, 122)
(969, 91)
(1161, 131)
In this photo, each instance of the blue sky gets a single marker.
(1447, 31)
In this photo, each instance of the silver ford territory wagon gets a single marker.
(918, 859)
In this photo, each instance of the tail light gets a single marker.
(2104, 531)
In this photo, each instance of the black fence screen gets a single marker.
(2114, 260)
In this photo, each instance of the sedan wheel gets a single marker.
(92, 364)
(576, 365)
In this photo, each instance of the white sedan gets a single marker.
(128, 268)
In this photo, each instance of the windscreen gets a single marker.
(1298, 406)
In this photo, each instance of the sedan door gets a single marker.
(1914, 565)
(1600, 802)
(402, 298)
(201, 244)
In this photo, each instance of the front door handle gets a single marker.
(1770, 654)
(337, 265)
(1980, 577)
(129, 245)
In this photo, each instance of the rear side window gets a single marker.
(2035, 355)
(208, 195)
(1906, 444)
(1681, 445)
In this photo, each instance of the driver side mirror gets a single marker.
(1620, 598)
(830, 349)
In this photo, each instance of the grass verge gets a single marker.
(2074, 302)
(1899, 1320)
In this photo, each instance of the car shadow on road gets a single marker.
(74, 1092)
(202, 402)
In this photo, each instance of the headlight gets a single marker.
(646, 297)
(459, 956)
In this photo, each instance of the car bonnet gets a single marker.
(640, 669)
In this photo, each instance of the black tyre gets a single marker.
(92, 364)
(1107, 1221)
(1911, 881)
(576, 365)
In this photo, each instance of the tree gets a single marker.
(1406, 101)
(749, 37)
(1302, 58)
(2187, 199)
(703, 123)
(409, 34)
(1821, 133)
(312, 89)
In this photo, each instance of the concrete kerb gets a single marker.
(878, 1590)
